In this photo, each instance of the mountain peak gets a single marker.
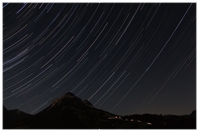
(66, 99)
(68, 95)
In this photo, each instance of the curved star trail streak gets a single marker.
(124, 58)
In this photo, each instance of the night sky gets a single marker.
(125, 58)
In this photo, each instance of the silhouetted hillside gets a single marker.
(166, 121)
(13, 118)
(70, 112)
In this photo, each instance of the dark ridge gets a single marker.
(70, 112)
(193, 112)
(87, 103)
(13, 118)
(66, 99)
(68, 95)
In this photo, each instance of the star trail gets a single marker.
(125, 58)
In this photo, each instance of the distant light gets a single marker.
(132, 120)
(149, 123)
(138, 121)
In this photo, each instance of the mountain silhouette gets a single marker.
(193, 113)
(70, 112)
(87, 103)
(13, 118)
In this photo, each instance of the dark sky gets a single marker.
(125, 58)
